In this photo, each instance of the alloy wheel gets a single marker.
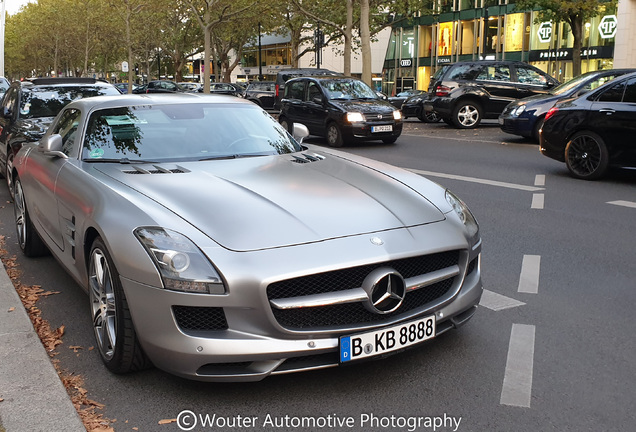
(102, 298)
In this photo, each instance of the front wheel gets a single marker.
(586, 156)
(334, 135)
(117, 341)
(467, 115)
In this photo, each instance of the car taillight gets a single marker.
(552, 111)
(276, 90)
(442, 91)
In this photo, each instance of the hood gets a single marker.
(274, 201)
(369, 106)
(34, 129)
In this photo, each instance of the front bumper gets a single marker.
(516, 126)
(238, 337)
(364, 131)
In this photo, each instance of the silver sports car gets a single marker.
(216, 246)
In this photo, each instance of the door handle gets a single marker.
(608, 111)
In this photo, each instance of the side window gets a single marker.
(630, 91)
(613, 94)
(313, 90)
(67, 127)
(528, 75)
(10, 101)
(465, 72)
(295, 90)
(495, 73)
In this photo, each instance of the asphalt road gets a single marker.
(551, 348)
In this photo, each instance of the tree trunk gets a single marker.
(576, 24)
(347, 38)
(365, 37)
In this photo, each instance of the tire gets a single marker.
(289, 127)
(117, 341)
(334, 135)
(7, 174)
(537, 127)
(29, 240)
(391, 140)
(429, 117)
(448, 121)
(586, 156)
(467, 115)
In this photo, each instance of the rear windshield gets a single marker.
(48, 101)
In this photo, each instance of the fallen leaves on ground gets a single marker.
(167, 421)
(51, 338)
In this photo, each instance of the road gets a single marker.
(551, 348)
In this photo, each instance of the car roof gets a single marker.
(60, 81)
(103, 102)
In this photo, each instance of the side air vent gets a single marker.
(307, 158)
(157, 169)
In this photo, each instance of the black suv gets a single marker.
(286, 74)
(464, 93)
(29, 107)
(262, 93)
(340, 109)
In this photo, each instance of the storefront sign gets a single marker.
(443, 60)
(406, 63)
(607, 26)
(595, 52)
(545, 32)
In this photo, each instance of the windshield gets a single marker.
(573, 83)
(48, 101)
(347, 89)
(183, 132)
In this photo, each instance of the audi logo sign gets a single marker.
(406, 63)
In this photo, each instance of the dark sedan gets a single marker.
(399, 98)
(595, 131)
(524, 117)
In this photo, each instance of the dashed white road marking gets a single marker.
(517, 383)
(529, 279)
(621, 203)
(478, 180)
(497, 302)
(538, 201)
(539, 180)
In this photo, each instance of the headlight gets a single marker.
(397, 115)
(182, 266)
(467, 218)
(353, 117)
(517, 111)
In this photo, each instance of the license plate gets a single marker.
(501, 121)
(385, 128)
(385, 340)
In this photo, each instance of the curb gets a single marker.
(35, 399)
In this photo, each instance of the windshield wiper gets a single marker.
(121, 160)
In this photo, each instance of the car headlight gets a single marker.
(517, 111)
(467, 218)
(182, 266)
(353, 117)
(397, 115)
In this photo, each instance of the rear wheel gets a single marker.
(334, 135)
(586, 156)
(116, 338)
(29, 240)
(429, 117)
(467, 115)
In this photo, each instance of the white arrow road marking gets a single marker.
(497, 302)
(478, 180)
(629, 204)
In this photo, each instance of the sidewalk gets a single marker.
(34, 398)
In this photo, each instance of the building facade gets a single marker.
(494, 29)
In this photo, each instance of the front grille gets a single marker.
(339, 280)
(355, 314)
(194, 318)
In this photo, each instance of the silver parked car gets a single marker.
(216, 246)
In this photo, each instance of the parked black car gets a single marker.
(262, 93)
(29, 107)
(525, 116)
(464, 93)
(414, 107)
(160, 86)
(286, 74)
(340, 109)
(399, 98)
(595, 131)
(225, 89)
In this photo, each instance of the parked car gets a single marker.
(190, 86)
(29, 107)
(464, 93)
(286, 74)
(262, 93)
(525, 116)
(595, 131)
(225, 89)
(123, 87)
(399, 98)
(414, 107)
(4, 85)
(159, 86)
(228, 264)
(340, 109)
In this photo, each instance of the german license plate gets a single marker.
(384, 128)
(385, 340)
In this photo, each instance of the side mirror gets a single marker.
(52, 146)
(317, 100)
(300, 132)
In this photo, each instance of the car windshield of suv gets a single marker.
(347, 90)
(183, 132)
(48, 101)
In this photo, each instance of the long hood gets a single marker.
(275, 201)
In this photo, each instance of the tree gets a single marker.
(573, 12)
